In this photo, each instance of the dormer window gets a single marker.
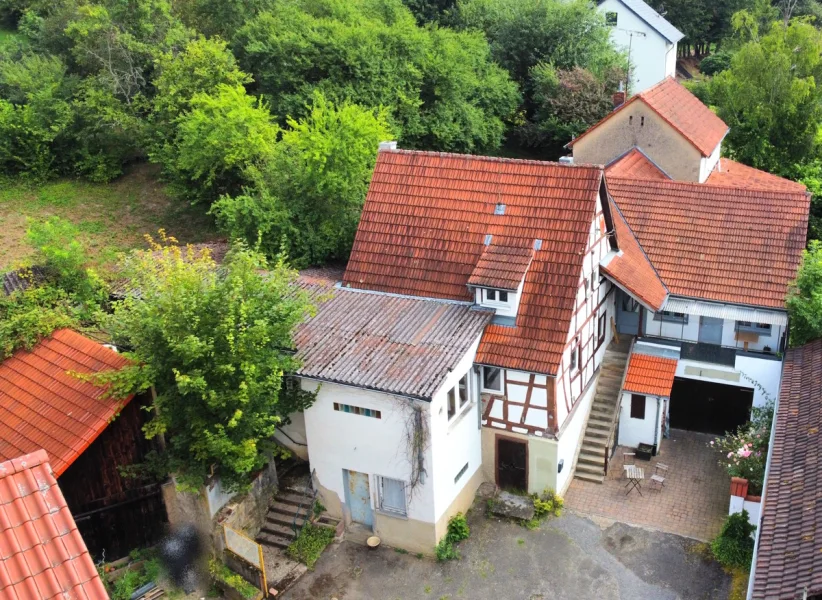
(496, 295)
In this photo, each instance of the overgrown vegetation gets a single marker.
(222, 574)
(546, 505)
(458, 530)
(734, 545)
(310, 543)
(805, 298)
(744, 452)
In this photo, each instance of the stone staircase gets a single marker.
(603, 414)
(277, 530)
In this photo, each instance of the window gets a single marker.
(492, 379)
(637, 406)
(496, 295)
(461, 473)
(642, 121)
(452, 403)
(575, 355)
(463, 389)
(392, 495)
(490, 294)
(611, 19)
(585, 284)
(503, 296)
(358, 410)
(764, 328)
(601, 325)
(593, 279)
(671, 317)
(629, 304)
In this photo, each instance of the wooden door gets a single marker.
(512, 464)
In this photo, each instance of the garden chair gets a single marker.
(627, 461)
(658, 478)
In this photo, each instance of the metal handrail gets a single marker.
(315, 489)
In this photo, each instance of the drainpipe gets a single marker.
(657, 423)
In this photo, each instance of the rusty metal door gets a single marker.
(358, 497)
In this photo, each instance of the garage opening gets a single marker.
(709, 407)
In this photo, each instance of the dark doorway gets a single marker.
(512, 464)
(709, 407)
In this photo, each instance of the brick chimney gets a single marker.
(619, 99)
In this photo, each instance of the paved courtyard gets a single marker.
(567, 558)
(693, 503)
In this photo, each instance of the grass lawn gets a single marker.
(113, 217)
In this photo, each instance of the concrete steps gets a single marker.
(289, 510)
(590, 463)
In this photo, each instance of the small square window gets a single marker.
(611, 19)
(463, 389)
(490, 294)
(392, 495)
(503, 296)
(637, 406)
(452, 402)
(492, 379)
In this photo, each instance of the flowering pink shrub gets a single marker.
(745, 451)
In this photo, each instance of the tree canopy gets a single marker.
(805, 299)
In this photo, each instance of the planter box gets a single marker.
(644, 452)
(232, 594)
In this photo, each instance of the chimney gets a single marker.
(388, 146)
(619, 99)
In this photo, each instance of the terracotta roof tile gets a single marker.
(42, 406)
(789, 560)
(635, 164)
(632, 269)
(32, 566)
(502, 266)
(652, 375)
(682, 110)
(717, 243)
(423, 229)
(730, 173)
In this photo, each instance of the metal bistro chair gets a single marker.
(658, 478)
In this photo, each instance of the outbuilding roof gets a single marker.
(635, 164)
(741, 246)
(42, 554)
(654, 19)
(650, 375)
(730, 173)
(681, 110)
(385, 342)
(42, 406)
(789, 557)
(427, 217)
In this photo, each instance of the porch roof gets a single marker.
(730, 312)
(652, 375)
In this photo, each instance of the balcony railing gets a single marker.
(709, 353)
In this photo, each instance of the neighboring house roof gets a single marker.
(42, 406)
(423, 231)
(717, 243)
(631, 269)
(21, 279)
(730, 173)
(654, 19)
(651, 375)
(386, 342)
(42, 554)
(635, 164)
(788, 560)
(502, 266)
(681, 110)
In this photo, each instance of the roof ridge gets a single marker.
(701, 186)
(499, 159)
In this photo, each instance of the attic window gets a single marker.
(537, 244)
(488, 239)
(642, 121)
(496, 295)
(499, 209)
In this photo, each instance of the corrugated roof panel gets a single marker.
(726, 311)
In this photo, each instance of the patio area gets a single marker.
(693, 503)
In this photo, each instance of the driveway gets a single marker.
(568, 558)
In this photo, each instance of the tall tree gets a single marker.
(805, 300)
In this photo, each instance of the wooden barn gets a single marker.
(88, 439)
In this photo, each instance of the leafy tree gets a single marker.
(805, 299)
(221, 17)
(308, 199)
(216, 142)
(715, 63)
(431, 11)
(215, 343)
(440, 87)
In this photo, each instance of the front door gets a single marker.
(710, 330)
(512, 465)
(358, 497)
(627, 316)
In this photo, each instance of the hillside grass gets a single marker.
(112, 217)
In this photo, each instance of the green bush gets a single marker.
(458, 530)
(445, 550)
(220, 572)
(716, 63)
(548, 504)
(734, 546)
(310, 543)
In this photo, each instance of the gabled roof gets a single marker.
(501, 265)
(716, 243)
(42, 555)
(654, 19)
(788, 560)
(635, 164)
(631, 268)
(423, 231)
(42, 406)
(651, 375)
(730, 173)
(681, 110)
(385, 342)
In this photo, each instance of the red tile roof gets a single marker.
(502, 266)
(717, 243)
(730, 173)
(682, 110)
(42, 406)
(42, 555)
(789, 560)
(631, 269)
(423, 230)
(635, 164)
(651, 375)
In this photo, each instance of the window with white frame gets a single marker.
(494, 296)
(458, 396)
(463, 390)
(492, 379)
(452, 403)
(575, 355)
(391, 496)
(749, 326)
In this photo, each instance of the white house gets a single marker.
(648, 39)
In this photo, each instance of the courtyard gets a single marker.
(567, 558)
(693, 503)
